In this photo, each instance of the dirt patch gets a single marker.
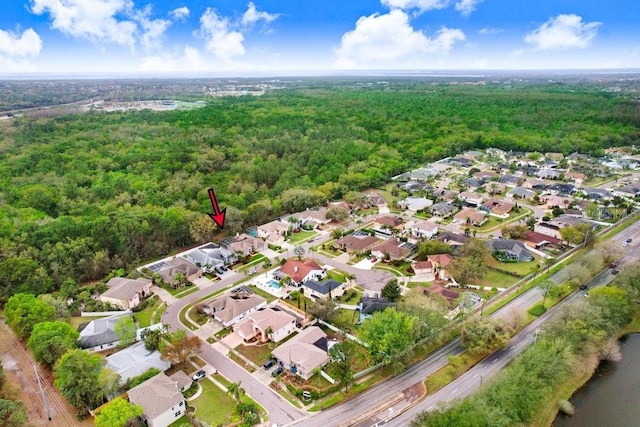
(21, 371)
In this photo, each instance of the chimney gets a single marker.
(295, 269)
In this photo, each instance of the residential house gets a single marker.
(444, 194)
(442, 210)
(521, 193)
(411, 186)
(304, 353)
(299, 271)
(497, 207)
(266, 323)
(510, 249)
(496, 152)
(560, 189)
(629, 190)
(470, 216)
(422, 229)
(326, 289)
(460, 162)
(538, 240)
(274, 231)
(229, 308)
(471, 198)
(100, 334)
(369, 305)
(597, 194)
(172, 271)
(415, 204)
(135, 360)
(510, 180)
(485, 175)
(552, 201)
(375, 199)
(447, 294)
(312, 218)
(421, 174)
(392, 248)
(183, 380)
(385, 225)
(453, 239)
(558, 157)
(472, 154)
(246, 244)
(576, 177)
(548, 174)
(552, 228)
(161, 400)
(422, 267)
(495, 187)
(440, 263)
(358, 241)
(126, 293)
(211, 258)
(472, 184)
(549, 164)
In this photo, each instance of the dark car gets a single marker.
(277, 371)
(269, 363)
(199, 375)
(583, 287)
(613, 265)
(629, 240)
(616, 271)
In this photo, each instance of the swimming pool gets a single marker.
(275, 284)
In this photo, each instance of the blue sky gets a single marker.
(230, 37)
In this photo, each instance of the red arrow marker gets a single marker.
(218, 215)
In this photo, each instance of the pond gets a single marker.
(611, 397)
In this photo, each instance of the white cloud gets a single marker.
(490, 30)
(180, 13)
(14, 45)
(422, 5)
(152, 29)
(96, 20)
(221, 40)
(389, 40)
(563, 32)
(252, 15)
(465, 7)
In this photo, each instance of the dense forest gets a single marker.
(83, 194)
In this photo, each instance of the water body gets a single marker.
(611, 398)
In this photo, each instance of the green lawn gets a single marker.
(350, 297)
(256, 261)
(497, 279)
(336, 275)
(494, 222)
(301, 236)
(187, 291)
(213, 406)
(263, 294)
(179, 290)
(144, 317)
(77, 320)
(345, 319)
(521, 268)
(258, 354)
(183, 421)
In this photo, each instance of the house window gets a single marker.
(181, 403)
(177, 414)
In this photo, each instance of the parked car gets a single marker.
(199, 375)
(277, 371)
(583, 287)
(613, 265)
(269, 363)
(616, 271)
(629, 240)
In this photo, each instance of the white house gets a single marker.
(135, 360)
(423, 229)
(161, 400)
(304, 353)
(270, 323)
(228, 309)
(471, 198)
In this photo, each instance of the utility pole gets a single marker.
(44, 397)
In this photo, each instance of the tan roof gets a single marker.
(244, 327)
(228, 308)
(298, 270)
(156, 395)
(470, 213)
(181, 379)
(421, 265)
(301, 351)
(270, 317)
(356, 243)
(390, 221)
(392, 247)
(425, 225)
(443, 260)
(175, 266)
(123, 288)
(246, 244)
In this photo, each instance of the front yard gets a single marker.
(301, 236)
(213, 406)
(258, 354)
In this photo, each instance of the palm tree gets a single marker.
(236, 391)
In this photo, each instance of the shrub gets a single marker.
(537, 310)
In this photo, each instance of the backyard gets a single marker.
(521, 268)
(144, 317)
(496, 279)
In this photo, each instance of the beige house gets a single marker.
(471, 197)
(274, 231)
(161, 400)
(179, 266)
(228, 309)
(246, 244)
(126, 293)
(469, 216)
(393, 248)
(304, 353)
(266, 323)
(358, 241)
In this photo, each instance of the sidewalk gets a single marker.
(164, 295)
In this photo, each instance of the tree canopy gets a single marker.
(50, 340)
(77, 374)
(23, 311)
(117, 413)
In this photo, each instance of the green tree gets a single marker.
(152, 337)
(109, 383)
(432, 247)
(13, 413)
(546, 286)
(125, 329)
(50, 340)
(117, 413)
(299, 250)
(76, 376)
(337, 214)
(236, 391)
(181, 348)
(343, 355)
(60, 307)
(484, 334)
(514, 231)
(391, 290)
(23, 311)
(388, 333)
(324, 309)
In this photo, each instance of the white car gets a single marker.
(199, 375)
